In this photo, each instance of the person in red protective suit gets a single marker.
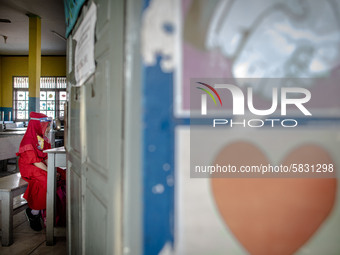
(33, 166)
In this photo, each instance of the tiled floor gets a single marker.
(26, 240)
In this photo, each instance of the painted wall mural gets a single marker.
(186, 39)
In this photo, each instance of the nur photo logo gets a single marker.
(243, 102)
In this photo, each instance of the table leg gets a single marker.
(50, 199)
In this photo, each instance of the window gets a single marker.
(20, 98)
(52, 97)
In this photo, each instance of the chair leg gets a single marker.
(7, 218)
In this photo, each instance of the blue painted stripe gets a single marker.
(34, 104)
(6, 110)
(158, 163)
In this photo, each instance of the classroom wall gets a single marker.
(18, 66)
(187, 214)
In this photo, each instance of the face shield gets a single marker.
(44, 119)
(45, 123)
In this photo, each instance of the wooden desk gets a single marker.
(56, 158)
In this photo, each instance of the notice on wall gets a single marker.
(84, 64)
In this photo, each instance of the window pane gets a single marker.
(44, 112)
(61, 82)
(42, 105)
(21, 115)
(21, 95)
(61, 113)
(62, 95)
(26, 105)
(42, 95)
(61, 105)
(21, 105)
(50, 95)
(27, 95)
(50, 114)
(47, 82)
(50, 105)
(20, 82)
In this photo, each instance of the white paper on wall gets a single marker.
(84, 53)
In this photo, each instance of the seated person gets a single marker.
(33, 166)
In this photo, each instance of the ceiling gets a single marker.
(52, 19)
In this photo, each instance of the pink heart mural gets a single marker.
(273, 216)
